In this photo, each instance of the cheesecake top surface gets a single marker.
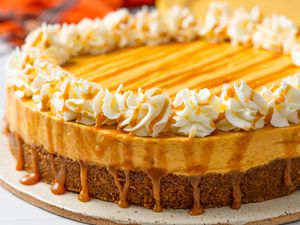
(174, 66)
(149, 74)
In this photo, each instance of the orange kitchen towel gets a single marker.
(18, 17)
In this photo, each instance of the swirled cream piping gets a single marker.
(49, 79)
(276, 33)
(106, 107)
(75, 101)
(146, 113)
(182, 25)
(34, 72)
(44, 42)
(284, 102)
(150, 28)
(20, 86)
(242, 24)
(94, 37)
(17, 63)
(243, 108)
(119, 26)
(195, 112)
(216, 21)
(294, 81)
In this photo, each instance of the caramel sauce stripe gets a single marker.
(193, 65)
(122, 69)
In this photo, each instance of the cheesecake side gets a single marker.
(257, 184)
(219, 153)
(225, 169)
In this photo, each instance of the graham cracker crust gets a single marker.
(277, 178)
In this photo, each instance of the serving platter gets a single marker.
(281, 210)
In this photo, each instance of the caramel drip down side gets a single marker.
(99, 120)
(287, 179)
(33, 177)
(20, 154)
(197, 171)
(241, 147)
(156, 174)
(127, 152)
(197, 208)
(235, 164)
(290, 145)
(5, 129)
(122, 188)
(59, 177)
(49, 135)
(236, 191)
(84, 193)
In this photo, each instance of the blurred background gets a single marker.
(18, 17)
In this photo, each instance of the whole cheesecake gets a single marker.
(160, 111)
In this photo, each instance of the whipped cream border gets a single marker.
(34, 72)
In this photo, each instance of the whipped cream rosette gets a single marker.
(44, 42)
(69, 38)
(215, 23)
(294, 81)
(242, 25)
(146, 113)
(276, 33)
(94, 37)
(20, 86)
(106, 107)
(21, 73)
(75, 101)
(195, 112)
(181, 23)
(149, 28)
(49, 79)
(18, 63)
(284, 102)
(119, 26)
(243, 108)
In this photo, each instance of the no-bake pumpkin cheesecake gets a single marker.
(161, 111)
